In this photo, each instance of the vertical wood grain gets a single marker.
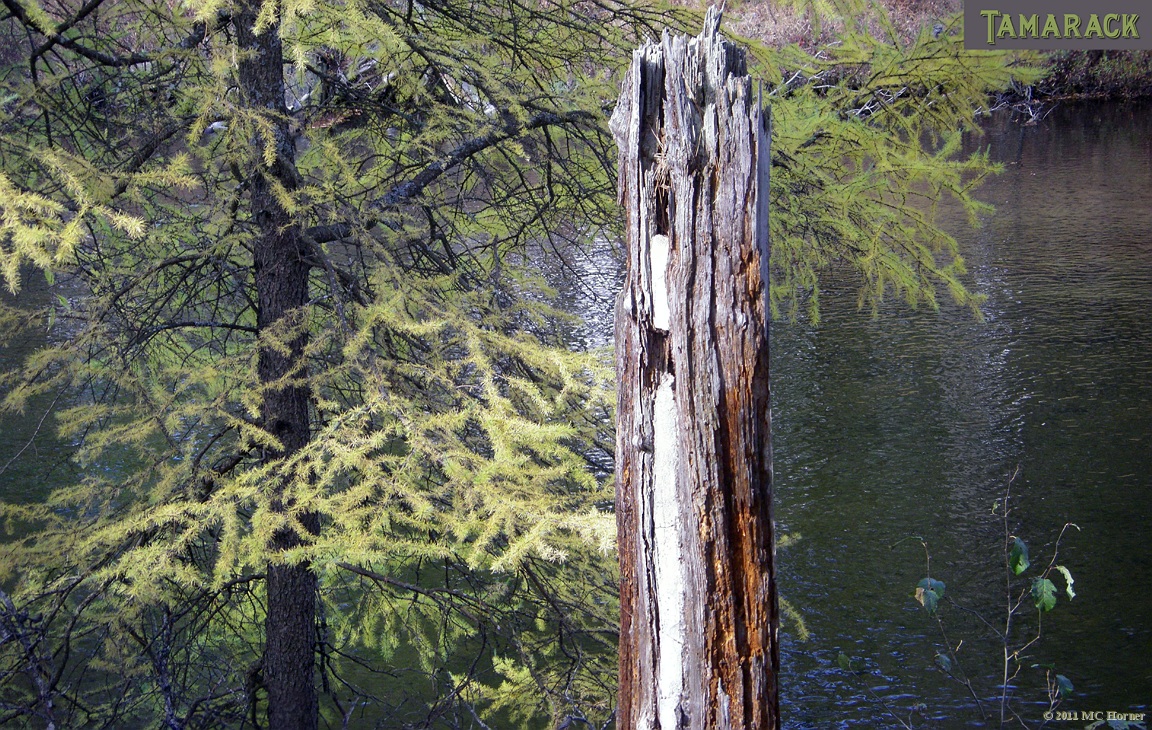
(698, 645)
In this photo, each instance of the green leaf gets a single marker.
(844, 662)
(1018, 557)
(927, 599)
(929, 591)
(1063, 685)
(1067, 581)
(944, 662)
(936, 586)
(1044, 594)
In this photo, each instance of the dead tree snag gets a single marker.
(693, 452)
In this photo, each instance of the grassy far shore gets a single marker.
(1098, 74)
(1069, 74)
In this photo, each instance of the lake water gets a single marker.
(912, 423)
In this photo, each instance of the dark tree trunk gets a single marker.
(281, 272)
(693, 453)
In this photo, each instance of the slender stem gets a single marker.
(956, 662)
(1008, 595)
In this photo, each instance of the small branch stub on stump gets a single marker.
(693, 451)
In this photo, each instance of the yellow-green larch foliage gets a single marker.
(459, 449)
(866, 137)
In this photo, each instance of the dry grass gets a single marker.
(777, 23)
(1098, 74)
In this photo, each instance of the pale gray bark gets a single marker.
(698, 642)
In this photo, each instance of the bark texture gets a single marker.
(698, 644)
(281, 276)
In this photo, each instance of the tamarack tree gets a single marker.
(327, 425)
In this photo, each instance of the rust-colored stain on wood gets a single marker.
(693, 167)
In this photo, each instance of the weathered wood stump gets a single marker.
(693, 451)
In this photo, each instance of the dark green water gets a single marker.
(911, 424)
(32, 459)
